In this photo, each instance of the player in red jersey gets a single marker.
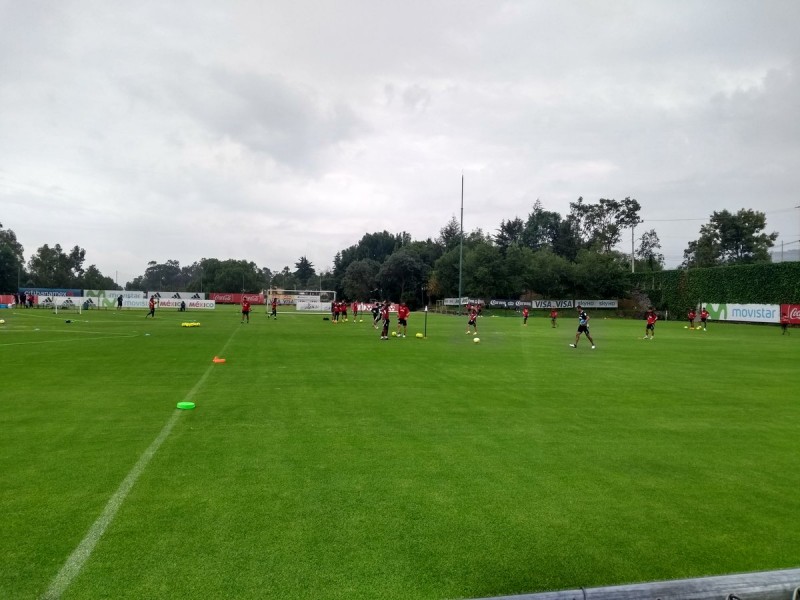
(355, 312)
(525, 315)
(553, 317)
(152, 306)
(650, 328)
(703, 318)
(691, 316)
(785, 320)
(473, 321)
(385, 318)
(274, 314)
(245, 310)
(402, 319)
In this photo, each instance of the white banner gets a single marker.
(597, 303)
(748, 313)
(178, 295)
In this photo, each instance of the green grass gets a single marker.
(322, 462)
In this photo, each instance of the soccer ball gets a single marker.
(686, 327)
(2, 321)
(476, 340)
(394, 334)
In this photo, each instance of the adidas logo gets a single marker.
(176, 296)
(196, 297)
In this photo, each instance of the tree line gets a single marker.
(545, 253)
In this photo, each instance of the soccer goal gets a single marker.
(70, 304)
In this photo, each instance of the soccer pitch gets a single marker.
(321, 462)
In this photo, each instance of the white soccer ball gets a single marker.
(2, 321)
(476, 340)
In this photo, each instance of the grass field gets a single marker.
(321, 462)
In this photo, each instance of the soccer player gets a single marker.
(583, 327)
(384, 311)
(119, 302)
(650, 328)
(553, 317)
(703, 318)
(245, 309)
(525, 315)
(691, 316)
(152, 306)
(785, 324)
(402, 319)
(473, 321)
(274, 314)
(376, 314)
(343, 310)
(355, 312)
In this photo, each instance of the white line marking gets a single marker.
(81, 554)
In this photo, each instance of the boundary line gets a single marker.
(72, 567)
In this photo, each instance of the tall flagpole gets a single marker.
(461, 246)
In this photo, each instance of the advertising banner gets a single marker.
(793, 310)
(6, 301)
(51, 292)
(178, 295)
(597, 303)
(190, 304)
(313, 304)
(231, 298)
(747, 313)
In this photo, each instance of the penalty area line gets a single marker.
(72, 567)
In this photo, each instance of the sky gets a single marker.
(266, 131)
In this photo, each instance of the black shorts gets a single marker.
(471, 322)
(651, 326)
(583, 329)
(402, 322)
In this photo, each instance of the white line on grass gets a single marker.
(81, 554)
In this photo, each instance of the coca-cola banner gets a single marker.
(793, 310)
(229, 298)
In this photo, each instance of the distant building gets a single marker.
(785, 256)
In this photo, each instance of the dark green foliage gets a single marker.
(766, 283)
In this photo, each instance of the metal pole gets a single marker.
(461, 245)
(765, 585)
(633, 229)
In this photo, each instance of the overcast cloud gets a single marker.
(268, 131)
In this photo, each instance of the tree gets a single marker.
(484, 271)
(731, 239)
(401, 275)
(601, 224)
(567, 241)
(648, 251)
(360, 279)
(52, 267)
(93, 279)
(11, 260)
(510, 232)
(518, 264)
(450, 234)
(304, 271)
(601, 275)
(553, 276)
(541, 228)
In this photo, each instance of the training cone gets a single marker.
(218, 360)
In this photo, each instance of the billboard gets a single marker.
(793, 310)
(745, 313)
(231, 298)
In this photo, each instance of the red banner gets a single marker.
(7, 299)
(793, 310)
(224, 298)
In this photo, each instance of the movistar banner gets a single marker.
(748, 313)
